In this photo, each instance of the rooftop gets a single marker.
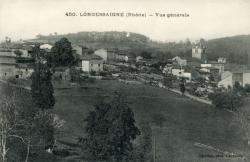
(90, 57)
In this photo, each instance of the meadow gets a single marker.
(187, 122)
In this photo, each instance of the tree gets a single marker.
(168, 80)
(188, 42)
(144, 152)
(42, 88)
(146, 55)
(182, 86)
(61, 53)
(226, 99)
(7, 125)
(110, 130)
(18, 53)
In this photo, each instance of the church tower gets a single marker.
(199, 51)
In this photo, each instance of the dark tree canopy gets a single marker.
(61, 53)
(168, 80)
(182, 86)
(146, 55)
(42, 88)
(18, 53)
(110, 130)
(230, 98)
(144, 150)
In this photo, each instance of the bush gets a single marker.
(226, 99)
(247, 88)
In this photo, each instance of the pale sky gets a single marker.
(24, 19)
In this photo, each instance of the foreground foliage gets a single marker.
(110, 130)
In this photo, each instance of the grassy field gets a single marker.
(187, 121)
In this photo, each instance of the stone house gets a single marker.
(91, 63)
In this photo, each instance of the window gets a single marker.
(196, 50)
(99, 65)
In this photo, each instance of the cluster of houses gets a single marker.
(212, 71)
(10, 67)
(95, 61)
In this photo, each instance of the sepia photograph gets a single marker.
(124, 81)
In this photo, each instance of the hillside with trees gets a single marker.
(236, 49)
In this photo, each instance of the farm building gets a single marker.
(7, 64)
(91, 63)
(230, 78)
(177, 60)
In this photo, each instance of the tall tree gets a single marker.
(144, 150)
(42, 88)
(110, 130)
(7, 125)
(168, 80)
(61, 53)
(182, 86)
(229, 99)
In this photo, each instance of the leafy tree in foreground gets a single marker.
(42, 88)
(7, 125)
(144, 151)
(110, 130)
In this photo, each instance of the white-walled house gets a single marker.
(179, 61)
(211, 65)
(180, 73)
(91, 63)
(222, 60)
(230, 78)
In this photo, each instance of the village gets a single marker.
(124, 81)
(167, 93)
(200, 76)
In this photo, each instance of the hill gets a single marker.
(236, 48)
(111, 39)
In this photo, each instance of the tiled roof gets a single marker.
(91, 57)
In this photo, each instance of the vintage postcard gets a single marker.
(124, 81)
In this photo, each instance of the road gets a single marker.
(192, 97)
